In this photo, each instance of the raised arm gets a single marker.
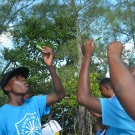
(59, 91)
(122, 80)
(84, 94)
(95, 114)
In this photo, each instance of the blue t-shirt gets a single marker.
(114, 116)
(25, 119)
(98, 132)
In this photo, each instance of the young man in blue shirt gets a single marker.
(106, 90)
(20, 116)
(113, 115)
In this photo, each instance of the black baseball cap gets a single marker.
(5, 78)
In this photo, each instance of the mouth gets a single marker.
(26, 84)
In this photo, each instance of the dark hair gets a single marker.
(106, 82)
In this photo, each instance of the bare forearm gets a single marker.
(58, 87)
(121, 78)
(84, 80)
(124, 85)
(84, 96)
(95, 114)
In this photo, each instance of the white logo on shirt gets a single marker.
(29, 125)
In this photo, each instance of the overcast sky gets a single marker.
(5, 40)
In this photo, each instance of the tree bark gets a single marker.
(82, 110)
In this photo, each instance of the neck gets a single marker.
(112, 95)
(16, 101)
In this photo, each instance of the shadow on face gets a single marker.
(30, 93)
(103, 90)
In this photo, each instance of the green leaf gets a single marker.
(39, 47)
(98, 38)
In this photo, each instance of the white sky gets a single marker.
(127, 46)
(6, 40)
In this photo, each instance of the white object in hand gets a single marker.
(51, 128)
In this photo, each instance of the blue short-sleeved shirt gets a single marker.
(98, 133)
(25, 119)
(114, 116)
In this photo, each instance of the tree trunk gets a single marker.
(82, 110)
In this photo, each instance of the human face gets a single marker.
(17, 85)
(103, 90)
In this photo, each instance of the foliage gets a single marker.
(3, 98)
(65, 111)
(53, 23)
(9, 12)
(30, 32)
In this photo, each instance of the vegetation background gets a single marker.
(65, 25)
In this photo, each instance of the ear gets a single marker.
(107, 88)
(7, 88)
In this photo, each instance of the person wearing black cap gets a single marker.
(20, 116)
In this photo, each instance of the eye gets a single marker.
(16, 76)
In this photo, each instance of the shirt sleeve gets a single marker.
(2, 124)
(1, 131)
(41, 103)
(113, 114)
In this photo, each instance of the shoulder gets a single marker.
(36, 98)
(110, 102)
(3, 110)
(103, 100)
